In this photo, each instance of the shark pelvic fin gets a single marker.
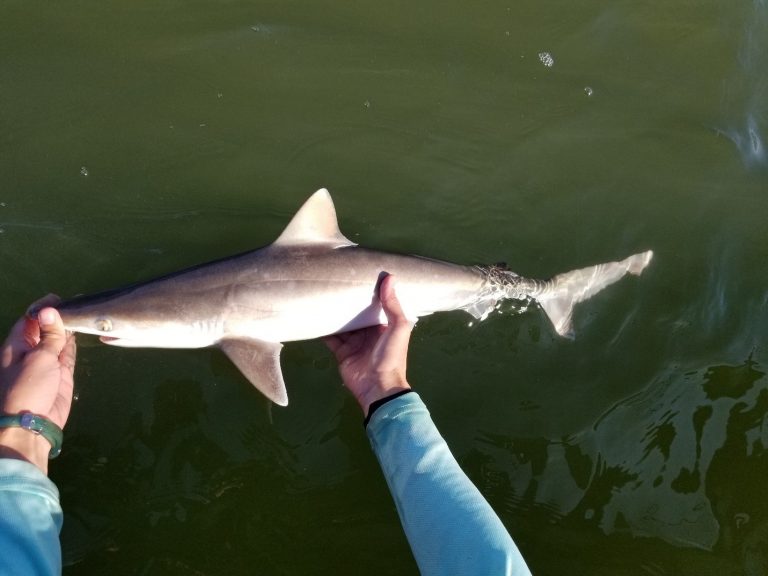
(259, 361)
(315, 223)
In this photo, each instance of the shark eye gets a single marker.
(103, 325)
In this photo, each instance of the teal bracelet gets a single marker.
(39, 425)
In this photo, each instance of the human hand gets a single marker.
(372, 361)
(37, 363)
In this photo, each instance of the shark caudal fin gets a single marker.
(559, 294)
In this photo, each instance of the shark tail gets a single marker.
(558, 296)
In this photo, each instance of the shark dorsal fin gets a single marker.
(315, 223)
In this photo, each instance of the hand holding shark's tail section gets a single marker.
(558, 295)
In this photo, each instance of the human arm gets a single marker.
(450, 526)
(36, 367)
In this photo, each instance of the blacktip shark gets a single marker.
(310, 282)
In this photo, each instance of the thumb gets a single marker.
(53, 336)
(398, 333)
(390, 303)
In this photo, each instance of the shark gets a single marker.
(311, 282)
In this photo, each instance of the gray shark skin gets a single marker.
(311, 282)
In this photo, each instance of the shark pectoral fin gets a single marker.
(259, 361)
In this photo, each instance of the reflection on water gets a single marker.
(747, 93)
(685, 460)
(169, 481)
(749, 141)
(171, 500)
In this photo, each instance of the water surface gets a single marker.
(141, 137)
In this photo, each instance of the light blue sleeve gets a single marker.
(30, 521)
(450, 526)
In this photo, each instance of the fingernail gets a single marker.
(46, 317)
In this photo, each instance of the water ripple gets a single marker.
(683, 460)
(750, 90)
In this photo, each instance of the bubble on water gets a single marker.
(83, 171)
(546, 59)
(262, 29)
(588, 90)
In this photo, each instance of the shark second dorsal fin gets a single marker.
(259, 361)
(315, 223)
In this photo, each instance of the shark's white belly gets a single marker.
(281, 319)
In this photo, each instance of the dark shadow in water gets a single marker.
(170, 501)
(731, 381)
(735, 485)
(157, 474)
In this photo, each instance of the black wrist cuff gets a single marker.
(376, 404)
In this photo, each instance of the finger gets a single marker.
(333, 342)
(350, 345)
(53, 336)
(22, 338)
(390, 302)
(48, 300)
(25, 334)
(399, 326)
(68, 354)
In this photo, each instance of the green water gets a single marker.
(140, 137)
